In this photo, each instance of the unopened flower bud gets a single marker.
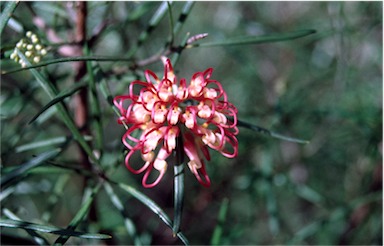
(19, 44)
(36, 59)
(31, 48)
(34, 39)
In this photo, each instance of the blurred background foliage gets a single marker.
(326, 88)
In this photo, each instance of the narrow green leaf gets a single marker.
(50, 89)
(171, 23)
(6, 192)
(60, 168)
(157, 16)
(139, 11)
(177, 54)
(257, 39)
(22, 170)
(7, 13)
(60, 97)
(153, 22)
(270, 133)
(183, 16)
(95, 105)
(70, 59)
(36, 236)
(129, 225)
(43, 143)
(83, 211)
(180, 21)
(147, 202)
(217, 233)
(152, 206)
(50, 229)
(178, 184)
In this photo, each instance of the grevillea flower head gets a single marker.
(158, 111)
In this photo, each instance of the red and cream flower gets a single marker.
(158, 111)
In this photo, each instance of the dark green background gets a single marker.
(325, 88)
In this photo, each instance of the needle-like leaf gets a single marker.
(83, 211)
(152, 206)
(22, 170)
(7, 13)
(257, 39)
(50, 229)
(270, 133)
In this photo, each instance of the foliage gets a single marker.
(311, 70)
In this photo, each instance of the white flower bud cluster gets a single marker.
(31, 47)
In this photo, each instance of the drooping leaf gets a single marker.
(152, 206)
(60, 97)
(50, 229)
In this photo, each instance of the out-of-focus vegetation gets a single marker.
(325, 88)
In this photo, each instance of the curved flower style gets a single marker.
(160, 111)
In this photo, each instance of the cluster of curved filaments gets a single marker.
(163, 106)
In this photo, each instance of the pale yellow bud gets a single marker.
(28, 53)
(36, 59)
(38, 47)
(29, 34)
(35, 39)
(19, 44)
(29, 47)
(43, 52)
